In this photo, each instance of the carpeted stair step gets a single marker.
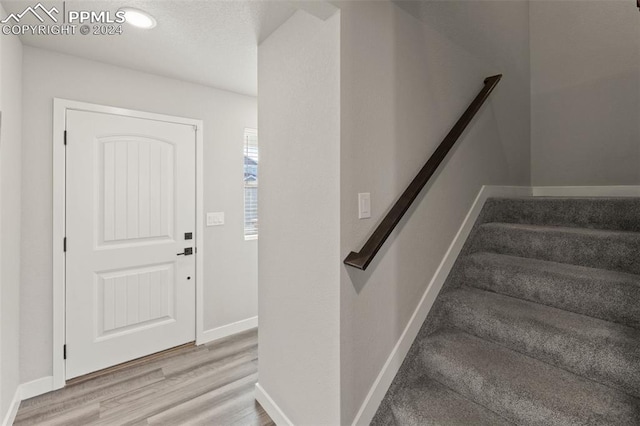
(602, 351)
(522, 389)
(427, 402)
(617, 214)
(609, 295)
(613, 250)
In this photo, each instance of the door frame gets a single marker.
(60, 108)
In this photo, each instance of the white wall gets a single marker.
(404, 83)
(231, 262)
(10, 139)
(585, 84)
(299, 103)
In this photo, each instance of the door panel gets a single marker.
(131, 299)
(130, 200)
(137, 186)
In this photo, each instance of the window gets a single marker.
(250, 184)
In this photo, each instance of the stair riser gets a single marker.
(471, 384)
(619, 251)
(596, 360)
(429, 402)
(607, 299)
(519, 388)
(619, 214)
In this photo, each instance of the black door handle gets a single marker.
(188, 251)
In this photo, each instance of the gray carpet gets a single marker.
(537, 324)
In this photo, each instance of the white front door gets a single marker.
(130, 213)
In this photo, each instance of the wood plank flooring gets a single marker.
(211, 384)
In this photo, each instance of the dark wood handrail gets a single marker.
(363, 258)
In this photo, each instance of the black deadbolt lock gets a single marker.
(188, 235)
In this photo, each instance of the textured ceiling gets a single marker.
(213, 43)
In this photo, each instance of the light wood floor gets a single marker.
(211, 384)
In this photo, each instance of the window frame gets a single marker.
(248, 131)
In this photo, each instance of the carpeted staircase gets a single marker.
(537, 324)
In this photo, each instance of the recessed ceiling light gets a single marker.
(139, 18)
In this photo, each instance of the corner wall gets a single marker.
(10, 193)
(299, 264)
(230, 289)
(407, 74)
(585, 85)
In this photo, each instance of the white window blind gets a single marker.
(250, 183)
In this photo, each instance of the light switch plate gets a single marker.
(215, 219)
(364, 205)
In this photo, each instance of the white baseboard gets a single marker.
(13, 409)
(36, 387)
(26, 391)
(586, 191)
(227, 330)
(399, 352)
(272, 409)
